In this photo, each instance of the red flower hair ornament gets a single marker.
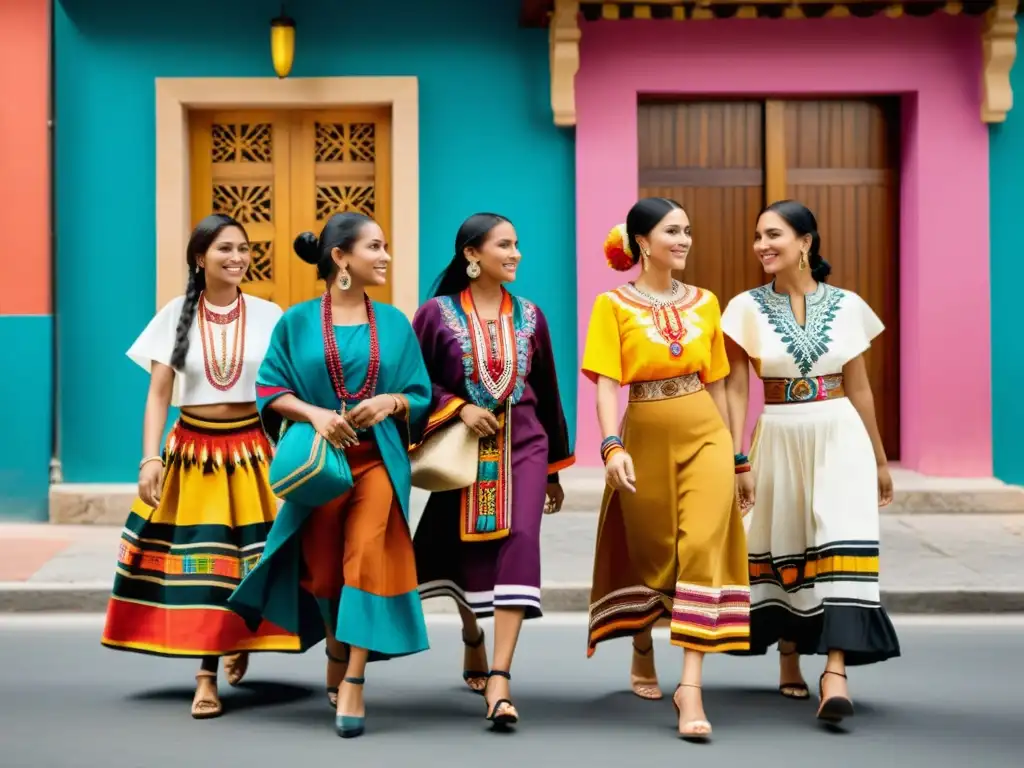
(617, 251)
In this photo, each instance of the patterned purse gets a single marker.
(307, 469)
(447, 460)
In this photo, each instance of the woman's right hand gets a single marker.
(618, 472)
(151, 479)
(335, 428)
(745, 491)
(480, 420)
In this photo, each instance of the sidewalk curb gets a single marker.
(29, 597)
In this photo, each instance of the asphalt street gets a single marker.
(954, 699)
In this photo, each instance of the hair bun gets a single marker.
(307, 247)
(617, 251)
(821, 269)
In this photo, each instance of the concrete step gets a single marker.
(108, 504)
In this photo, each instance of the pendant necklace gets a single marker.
(667, 320)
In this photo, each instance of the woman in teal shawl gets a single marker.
(345, 570)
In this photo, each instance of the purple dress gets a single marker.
(481, 545)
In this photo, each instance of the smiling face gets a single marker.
(777, 245)
(368, 261)
(668, 243)
(227, 259)
(498, 255)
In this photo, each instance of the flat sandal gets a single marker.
(206, 708)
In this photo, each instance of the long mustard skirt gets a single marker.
(676, 548)
(179, 562)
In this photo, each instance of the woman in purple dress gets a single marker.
(490, 361)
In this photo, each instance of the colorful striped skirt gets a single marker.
(178, 563)
(676, 548)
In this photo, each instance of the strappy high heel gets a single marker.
(644, 687)
(509, 716)
(833, 709)
(206, 708)
(350, 726)
(685, 732)
(474, 675)
(332, 690)
(793, 690)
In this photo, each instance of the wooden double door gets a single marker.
(725, 160)
(283, 172)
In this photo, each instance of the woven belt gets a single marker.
(665, 389)
(803, 390)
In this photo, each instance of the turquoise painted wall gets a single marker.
(1006, 168)
(27, 427)
(487, 142)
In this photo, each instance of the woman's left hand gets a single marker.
(884, 486)
(555, 497)
(372, 411)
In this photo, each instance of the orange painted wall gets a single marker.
(25, 158)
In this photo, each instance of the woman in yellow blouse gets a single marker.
(670, 540)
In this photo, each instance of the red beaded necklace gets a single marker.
(225, 373)
(333, 356)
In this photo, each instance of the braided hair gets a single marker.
(203, 236)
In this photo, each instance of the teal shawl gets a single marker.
(295, 363)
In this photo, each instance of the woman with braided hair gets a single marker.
(670, 540)
(205, 504)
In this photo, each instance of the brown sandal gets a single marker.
(645, 687)
(235, 667)
(203, 708)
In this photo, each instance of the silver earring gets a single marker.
(345, 280)
(197, 269)
(473, 270)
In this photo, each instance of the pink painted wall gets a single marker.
(944, 242)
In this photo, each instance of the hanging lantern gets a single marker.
(282, 44)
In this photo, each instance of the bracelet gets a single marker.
(148, 459)
(741, 458)
(610, 446)
(398, 404)
(741, 468)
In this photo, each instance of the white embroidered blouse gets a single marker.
(838, 326)
(191, 387)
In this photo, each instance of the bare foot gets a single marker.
(689, 704)
(206, 703)
(474, 661)
(643, 675)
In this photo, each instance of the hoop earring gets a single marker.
(344, 280)
(803, 261)
(473, 270)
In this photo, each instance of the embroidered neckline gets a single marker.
(687, 295)
(806, 343)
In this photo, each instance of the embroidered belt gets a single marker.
(803, 390)
(665, 389)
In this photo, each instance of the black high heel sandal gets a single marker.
(332, 690)
(503, 719)
(835, 708)
(472, 675)
(798, 691)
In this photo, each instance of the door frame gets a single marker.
(175, 97)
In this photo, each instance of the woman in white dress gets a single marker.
(817, 470)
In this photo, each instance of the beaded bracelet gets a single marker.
(610, 446)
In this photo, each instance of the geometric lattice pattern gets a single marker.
(243, 143)
(261, 263)
(345, 142)
(249, 204)
(338, 198)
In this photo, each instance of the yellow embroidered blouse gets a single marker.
(625, 345)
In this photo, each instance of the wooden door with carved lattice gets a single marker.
(283, 172)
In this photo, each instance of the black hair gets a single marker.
(203, 236)
(644, 216)
(472, 234)
(800, 218)
(342, 231)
